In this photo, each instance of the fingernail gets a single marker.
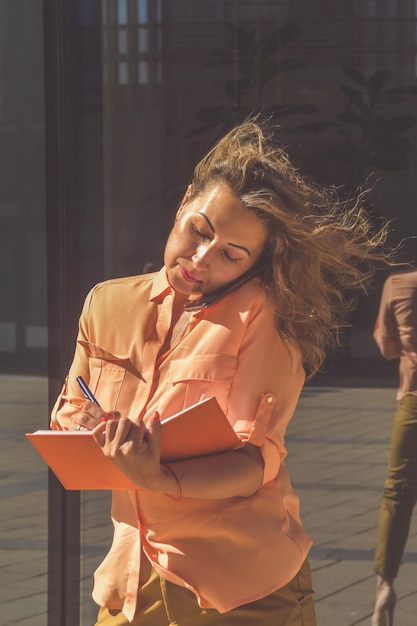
(104, 418)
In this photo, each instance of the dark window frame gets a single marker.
(65, 97)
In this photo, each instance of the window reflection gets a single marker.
(132, 42)
(142, 8)
(122, 16)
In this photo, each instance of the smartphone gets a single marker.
(208, 299)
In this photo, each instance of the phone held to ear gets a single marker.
(208, 299)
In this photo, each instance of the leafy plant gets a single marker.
(372, 139)
(254, 60)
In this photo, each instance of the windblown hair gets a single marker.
(320, 252)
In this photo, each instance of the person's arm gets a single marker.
(136, 451)
(71, 400)
(389, 346)
(386, 333)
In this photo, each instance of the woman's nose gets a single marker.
(200, 255)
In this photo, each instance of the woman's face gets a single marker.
(213, 241)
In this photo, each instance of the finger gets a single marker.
(117, 431)
(155, 422)
(155, 432)
(143, 431)
(83, 421)
(74, 423)
(88, 417)
(136, 434)
(110, 415)
(99, 434)
(105, 430)
(91, 415)
(92, 409)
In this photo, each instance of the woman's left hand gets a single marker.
(136, 450)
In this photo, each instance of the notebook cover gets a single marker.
(79, 464)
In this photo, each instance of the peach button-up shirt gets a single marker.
(396, 328)
(227, 551)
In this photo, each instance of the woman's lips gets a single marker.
(186, 275)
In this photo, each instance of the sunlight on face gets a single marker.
(214, 241)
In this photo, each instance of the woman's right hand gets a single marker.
(136, 450)
(90, 416)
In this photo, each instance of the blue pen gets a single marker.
(86, 391)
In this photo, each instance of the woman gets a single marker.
(249, 298)
(395, 334)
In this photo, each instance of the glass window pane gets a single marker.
(122, 15)
(122, 41)
(143, 72)
(143, 40)
(372, 7)
(143, 12)
(392, 8)
(123, 75)
(159, 11)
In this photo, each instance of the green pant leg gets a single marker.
(400, 491)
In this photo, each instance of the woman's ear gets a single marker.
(187, 195)
(184, 201)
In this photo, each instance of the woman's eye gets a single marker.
(206, 237)
(199, 233)
(228, 257)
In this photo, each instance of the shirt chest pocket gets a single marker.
(113, 379)
(202, 376)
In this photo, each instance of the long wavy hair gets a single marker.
(320, 252)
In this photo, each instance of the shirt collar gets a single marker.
(160, 287)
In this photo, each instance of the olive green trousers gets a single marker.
(400, 491)
(166, 604)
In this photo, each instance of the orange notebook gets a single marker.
(78, 462)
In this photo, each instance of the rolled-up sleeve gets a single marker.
(266, 387)
(70, 399)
